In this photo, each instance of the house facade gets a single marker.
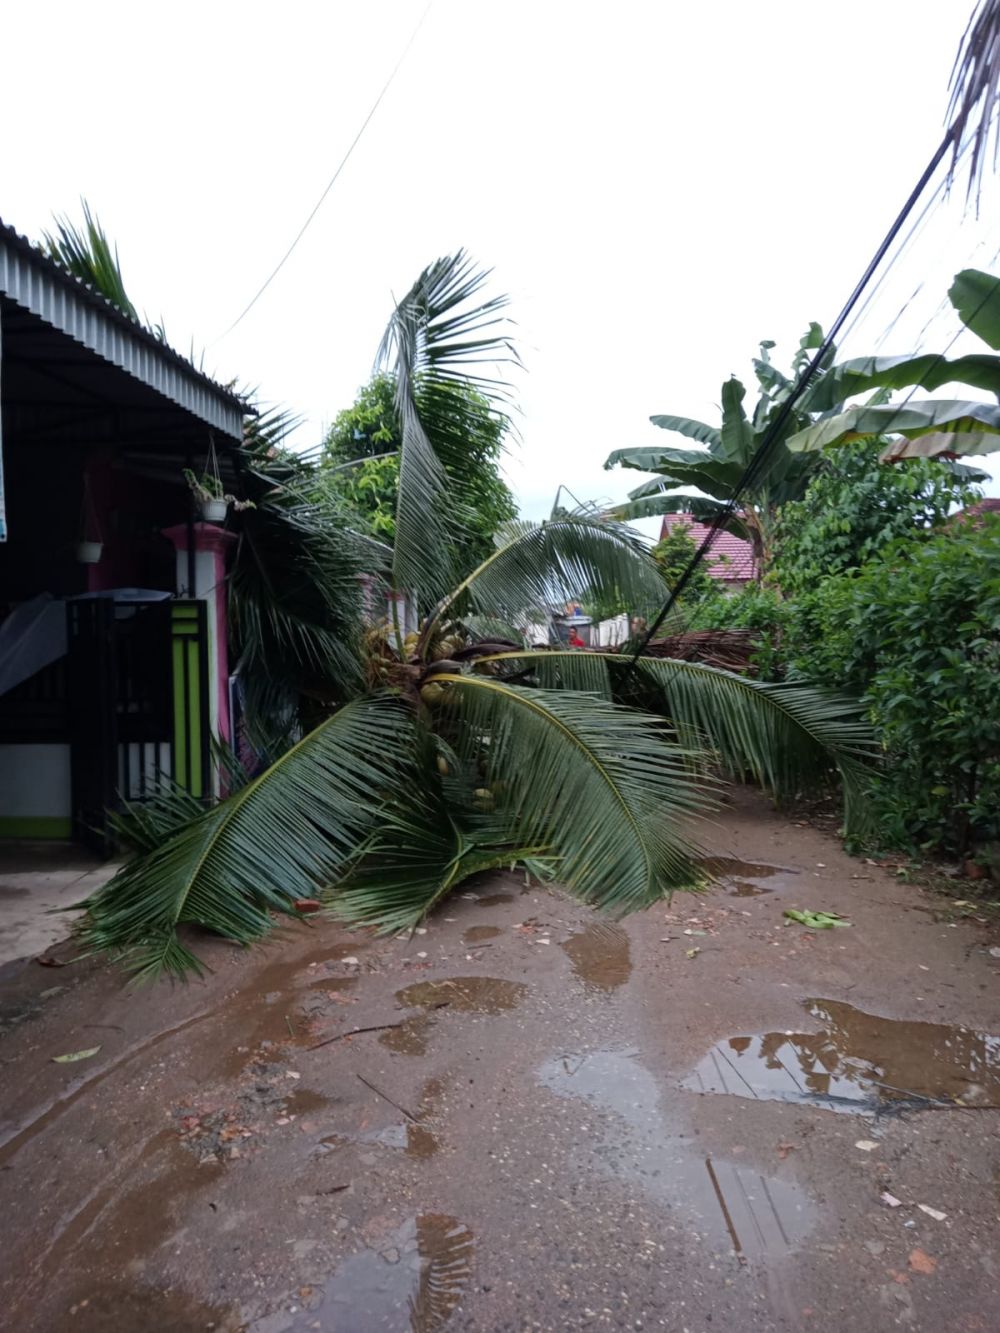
(113, 670)
(730, 561)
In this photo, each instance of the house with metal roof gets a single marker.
(731, 560)
(113, 672)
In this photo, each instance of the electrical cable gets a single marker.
(333, 179)
(773, 433)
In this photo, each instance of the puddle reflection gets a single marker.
(858, 1062)
(754, 1214)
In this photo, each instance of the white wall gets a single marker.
(34, 780)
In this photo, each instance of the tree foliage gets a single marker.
(463, 751)
(917, 631)
(673, 553)
(855, 506)
(362, 453)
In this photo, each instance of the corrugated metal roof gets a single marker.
(39, 284)
(731, 558)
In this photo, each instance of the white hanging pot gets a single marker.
(89, 553)
(214, 511)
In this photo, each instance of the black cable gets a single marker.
(333, 179)
(773, 434)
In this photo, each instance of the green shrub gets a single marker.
(918, 630)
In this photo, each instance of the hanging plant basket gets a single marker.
(214, 510)
(89, 553)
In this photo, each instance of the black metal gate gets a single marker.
(138, 706)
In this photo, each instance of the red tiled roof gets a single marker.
(736, 567)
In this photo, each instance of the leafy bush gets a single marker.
(919, 631)
(856, 507)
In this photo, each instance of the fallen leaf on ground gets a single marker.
(932, 1212)
(816, 920)
(307, 905)
(866, 1145)
(921, 1262)
(784, 1149)
(49, 962)
(75, 1055)
(692, 953)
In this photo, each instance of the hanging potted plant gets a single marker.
(90, 546)
(213, 501)
(207, 490)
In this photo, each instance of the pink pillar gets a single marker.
(210, 546)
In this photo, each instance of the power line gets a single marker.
(773, 433)
(333, 179)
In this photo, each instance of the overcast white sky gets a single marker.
(658, 185)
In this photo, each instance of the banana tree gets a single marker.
(468, 749)
(949, 428)
(717, 470)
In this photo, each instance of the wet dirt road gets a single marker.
(552, 1122)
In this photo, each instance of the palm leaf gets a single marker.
(538, 564)
(911, 420)
(976, 297)
(788, 738)
(88, 254)
(737, 436)
(441, 336)
(975, 88)
(599, 785)
(656, 458)
(282, 837)
(694, 430)
(865, 373)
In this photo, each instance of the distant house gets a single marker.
(969, 515)
(730, 561)
(113, 657)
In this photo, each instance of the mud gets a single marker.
(518, 1143)
(476, 995)
(600, 955)
(413, 1281)
(857, 1062)
(756, 1215)
(476, 934)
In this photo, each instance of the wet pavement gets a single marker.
(524, 1117)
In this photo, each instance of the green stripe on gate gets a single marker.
(180, 732)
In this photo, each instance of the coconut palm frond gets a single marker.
(572, 556)
(282, 837)
(294, 588)
(582, 671)
(788, 738)
(88, 254)
(600, 786)
(443, 335)
(975, 94)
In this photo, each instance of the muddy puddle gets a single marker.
(476, 934)
(742, 879)
(600, 956)
(413, 1281)
(476, 995)
(731, 1205)
(858, 1062)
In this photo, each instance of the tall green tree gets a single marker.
(854, 507)
(717, 469)
(467, 751)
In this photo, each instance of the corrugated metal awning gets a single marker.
(38, 284)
